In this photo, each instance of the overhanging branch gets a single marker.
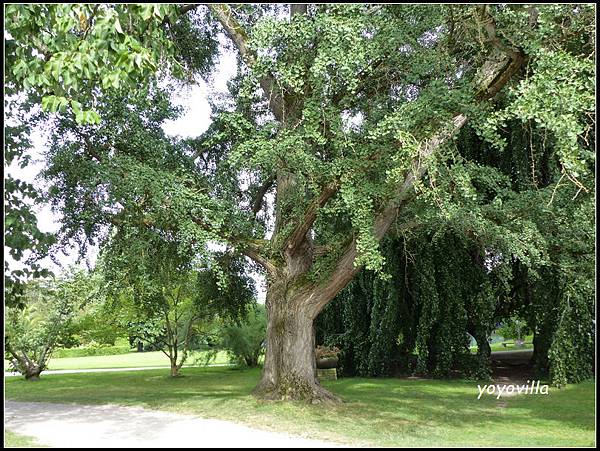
(255, 255)
(345, 270)
(495, 75)
(252, 248)
(187, 8)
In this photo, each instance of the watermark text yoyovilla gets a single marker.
(531, 388)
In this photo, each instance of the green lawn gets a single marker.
(499, 347)
(12, 440)
(376, 412)
(510, 347)
(130, 360)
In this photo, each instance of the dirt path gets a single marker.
(81, 426)
(512, 367)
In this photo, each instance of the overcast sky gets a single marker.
(193, 122)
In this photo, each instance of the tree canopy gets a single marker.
(347, 115)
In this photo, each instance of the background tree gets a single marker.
(339, 111)
(514, 328)
(93, 324)
(418, 319)
(509, 228)
(167, 298)
(33, 331)
(97, 324)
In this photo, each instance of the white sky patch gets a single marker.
(429, 38)
(196, 117)
(368, 34)
(352, 121)
(405, 49)
(194, 99)
(270, 212)
(492, 259)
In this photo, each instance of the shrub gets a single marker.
(243, 342)
(92, 349)
(514, 328)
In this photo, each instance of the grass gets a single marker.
(497, 345)
(509, 347)
(130, 360)
(376, 412)
(13, 440)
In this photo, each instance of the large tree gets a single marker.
(336, 113)
(23, 240)
(504, 238)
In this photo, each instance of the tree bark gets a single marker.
(298, 8)
(33, 373)
(484, 350)
(174, 368)
(290, 371)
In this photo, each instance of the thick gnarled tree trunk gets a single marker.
(290, 365)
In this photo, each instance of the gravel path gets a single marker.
(81, 426)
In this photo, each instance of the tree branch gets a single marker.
(255, 255)
(298, 8)
(385, 219)
(299, 234)
(23, 362)
(495, 74)
(515, 60)
(265, 187)
(184, 9)
(248, 247)
(237, 34)
(345, 270)
(489, 25)
(187, 8)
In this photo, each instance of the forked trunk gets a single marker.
(33, 373)
(27, 366)
(290, 371)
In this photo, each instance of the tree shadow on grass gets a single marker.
(455, 403)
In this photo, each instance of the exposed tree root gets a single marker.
(311, 393)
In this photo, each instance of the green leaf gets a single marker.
(76, 106)
(147, 11)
